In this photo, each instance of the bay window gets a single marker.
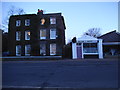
(90, 48)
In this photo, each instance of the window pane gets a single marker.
(18, 22)
(90, 48)
(18, 35)
(42, 21)
(52, 20)
(42, 49)
(18, 50)
(52, 49)
(52, 33)
(43, 34)
(27, 49)
(27, 35)
(27, 22)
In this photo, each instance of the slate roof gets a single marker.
(112, 36)
(86, 38)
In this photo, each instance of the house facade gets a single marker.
(87, 47)
(111, 43)
(36, 34)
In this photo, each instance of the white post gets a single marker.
(82, 50)
(74, 51)
(100, 49)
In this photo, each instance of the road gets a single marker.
(65, 73)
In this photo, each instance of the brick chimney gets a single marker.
(40, 12)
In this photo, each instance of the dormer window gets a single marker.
(27, 22)
(52, 20)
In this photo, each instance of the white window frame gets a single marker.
(26, 35)
(53, 33)
(18, 23)
(26, 50)
(41, 31)
(27, 22)
(18, 48)
(52, 20)
(52, 48)
(43, 49)
(18, 35)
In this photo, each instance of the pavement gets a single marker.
(87, 74)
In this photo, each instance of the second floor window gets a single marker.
(18, 22)
(27, 22)
(43, 34)
(27, 35)
(42, 21)
(52, 20)
(18, 35)
(52, 33)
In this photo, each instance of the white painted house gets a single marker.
(87, 46)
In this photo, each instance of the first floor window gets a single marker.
(18, 50)
(18, 22)
(18, 34)
(27, 50)
(52, 49)
(42, 49)
(52, 33)
(43, 34)
(27, 35)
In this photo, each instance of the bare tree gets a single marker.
(12, 11)
(95, 32)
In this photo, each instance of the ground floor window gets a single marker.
(18, 50)
(42, 49)
(27, 50)
(90, 48)
(52, 49)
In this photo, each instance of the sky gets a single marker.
(78, 16)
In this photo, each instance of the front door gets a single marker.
(79, 52)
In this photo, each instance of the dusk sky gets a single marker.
(78, 16)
